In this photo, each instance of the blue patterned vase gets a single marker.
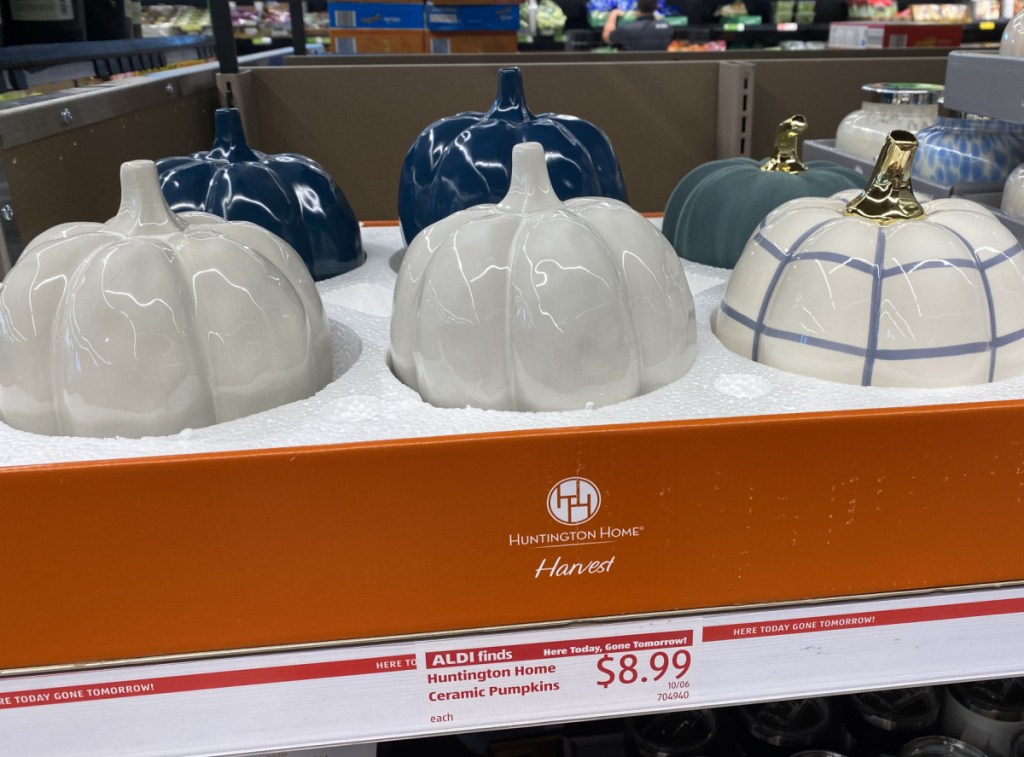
(966, 148)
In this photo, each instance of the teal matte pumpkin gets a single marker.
(717, 206)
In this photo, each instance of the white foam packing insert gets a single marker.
(365, 402)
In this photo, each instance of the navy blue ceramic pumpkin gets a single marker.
(290, 195)
(466, 159)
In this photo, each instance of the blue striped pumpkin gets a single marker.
(933, 301)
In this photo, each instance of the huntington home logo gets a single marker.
(574, 504)
(573, 501)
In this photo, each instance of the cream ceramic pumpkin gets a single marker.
(874, 288)
(536, 304)
(154, 322)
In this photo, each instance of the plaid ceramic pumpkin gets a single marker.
(877, 289)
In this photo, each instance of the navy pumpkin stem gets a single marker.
(229, 137)
(510, 102)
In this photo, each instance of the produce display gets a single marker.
(290, 195)
(170, 20)
(875, 288)
(544, 18)
(465, 160)
(535, 304)
(153, 322)
(713, 211)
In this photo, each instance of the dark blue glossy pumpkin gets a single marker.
(290, 195)
(466, 159)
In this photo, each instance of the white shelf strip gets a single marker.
(352, 694)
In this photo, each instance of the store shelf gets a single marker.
(35, 65)
(233, 602)
(986, 83)
(456, 684)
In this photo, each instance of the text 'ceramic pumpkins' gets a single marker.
(289, 195)
(532, 304)
(879, 289)
(153, 322)
(713, 211)
(465, 160)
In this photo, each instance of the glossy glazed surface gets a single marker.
(956, 150)
(1012, 201)
(155, 322)
(535, 304)
(1012, 41)
(862, 133)
(289, 195)
(466, 159)
(935, 301)
(712, 212)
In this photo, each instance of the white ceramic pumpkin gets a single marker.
(536, 304)
(154, 322)
(874, 288)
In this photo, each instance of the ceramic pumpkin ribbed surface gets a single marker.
(466, 159)
(154, 322)
(535, 304)
(877, 289)
(714, 209)
(289, 195)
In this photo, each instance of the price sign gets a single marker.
(624, 668)
(553, 678)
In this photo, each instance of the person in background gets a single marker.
(645, 33)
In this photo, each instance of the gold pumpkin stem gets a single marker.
(889, 197)
(786, 158)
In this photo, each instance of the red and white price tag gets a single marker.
(644, 666)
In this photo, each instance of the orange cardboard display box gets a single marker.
(131, 559)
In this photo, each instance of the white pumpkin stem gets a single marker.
(143, 207)
(530, 189)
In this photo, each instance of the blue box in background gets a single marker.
(375, 15)
(476, 18)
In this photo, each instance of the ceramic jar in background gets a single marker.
(962, 147)
(1013, 193)
(887, 106)
(940, 746)
(880, 723)
(1017, 745)
(1012, 42)
(689, 733)
(780, 729)
(985, 714)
